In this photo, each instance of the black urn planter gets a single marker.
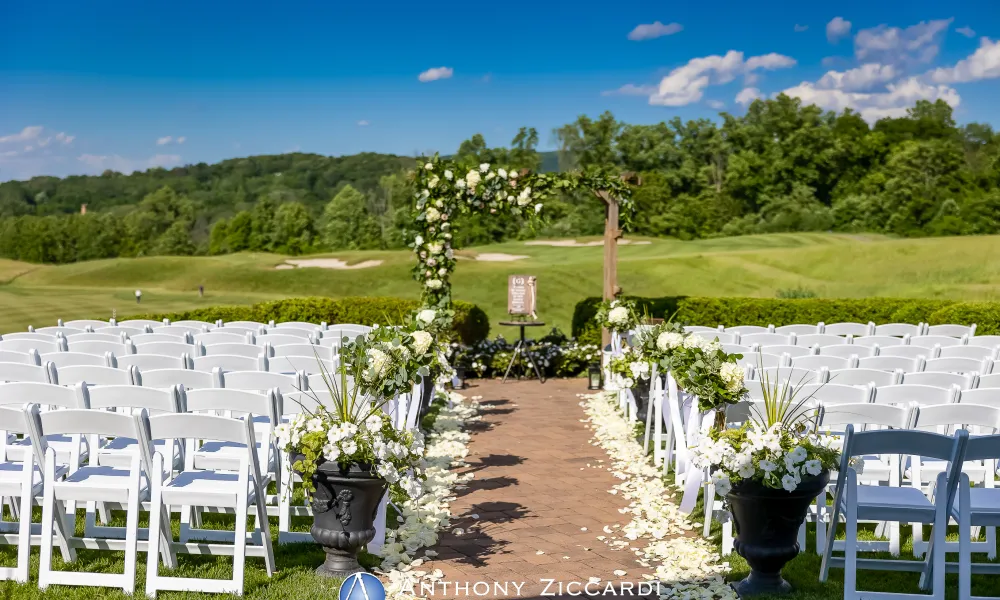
(767, 524)
(344, 506)
(641, 393)
(427, 396)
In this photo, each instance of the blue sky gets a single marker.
(130, 85)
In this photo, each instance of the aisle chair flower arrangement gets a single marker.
(618, 315)
(769, 470)
(345, 447)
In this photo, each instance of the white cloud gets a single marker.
(27, 134)
(876, 105)
(858, 79)
(115, 162)
(837, 28)
(653, 30)
(687, 84)
(916, 44)
(435, 74)
(631, 89)
(832, 61)
(163, 141)
(181, 140)
(984, 63)
(8, 154)
(966, 31)
(747, 95)
(362, 123)
(800, 28)
(65, 139)
(716, 104)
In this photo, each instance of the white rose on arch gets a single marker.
(426, 316)
(432, 214)
(421, 341)
(472, 179)
(524, 197)
(434, 284)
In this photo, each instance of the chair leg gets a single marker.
(132, 536)
(240, 547)
(48, 517)
(991, 542)
(154, 549)
(802, 535)
(964, 547)
(265, 534)
(709, 491)
(894, 538)
(24, 530)
(850, 550)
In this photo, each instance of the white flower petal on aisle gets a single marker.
(686, 567)
(446, 448)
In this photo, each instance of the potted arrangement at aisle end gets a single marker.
(618, 316)
(345, 448)
(769, 471)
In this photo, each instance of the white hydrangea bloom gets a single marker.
(432, 214)
(669, 340)
(618, 315)
(472, 179)
(421, 341)
(426, 316)
(448, 175)
(434, 284)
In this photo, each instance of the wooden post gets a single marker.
(611, 235)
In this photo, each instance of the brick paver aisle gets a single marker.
(533, 492)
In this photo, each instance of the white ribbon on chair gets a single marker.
(695, 476)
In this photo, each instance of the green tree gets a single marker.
(346, 223)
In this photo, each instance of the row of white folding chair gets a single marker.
(125, 488)
(856, 329)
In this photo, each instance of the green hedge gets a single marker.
(471, 323)
(694, 310)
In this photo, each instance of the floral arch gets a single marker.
(445, 189)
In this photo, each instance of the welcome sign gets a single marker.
(521, 295)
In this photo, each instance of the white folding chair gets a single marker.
(830, 394)
(141, 323)
(191, 380)
(891, 363)
(323, 352)
(847, 351)
(727, 348)
(150, 362)
(941, 379)
(243, 331)
(951, 330)
(822, 339)
(929, 341)
(748, 329)
(767, 339)
(60, 330)
(959, 365)
(42, 346)
(44, 373)
(899, 504)
(71, 450)
(299, 325)
(976, 507)
(861, 376)
(989, 341)
(792, 351)
(792, 376)
(799, 330)
(307, 364)
(882, 341)
(200, 325)
(703, 329)
(93, 375)
(230, 490)
(121, 488)
(251, 325)
(911, 352)
(30, 335)
(989, 381)
(922, 395)
(228, 362)
(118, 330)
(184, 331)
(974, 352)
(817, 362)
(221, 337)
(248, 350)
(29, 358)
(293, 404)
(62, 360)
(899, 329)
(84, 324)
(150, 338)
(755, 360)
(88, 336)
(855, 329)
(171, 349)
(279, 339)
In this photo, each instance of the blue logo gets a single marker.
(362, 586)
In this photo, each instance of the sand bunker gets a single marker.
(576, 244)
(499, 257)
(327, 263)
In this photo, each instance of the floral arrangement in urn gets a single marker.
(617, 315)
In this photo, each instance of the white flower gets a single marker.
(448, 175)
(789, 482)
(421, 341)
(484, 167)
(432, 214)
(381, 450)
(513, 174)
(538, 208)
(429, 166)
(524, 197)
(746, 471)
(387, 472)
(722, 483)
(797, 455)
(411, 486)
(331, 452)
(767, 466)
(442, 271)
(284, 434)
(373, 423)
(733, 375)
(378, 361)
(618, 316)
(434, 284)
(349, 447)
(435, 247)
(314, 424)
(418, 240)
(669, 340)
(502, 173)
(472, 179)
(460, 184)
(639, 370)
(813, 467)
(426, 316)
(433, 182)
(425, 193)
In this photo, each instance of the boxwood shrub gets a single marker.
(471, 323)
(694, 310)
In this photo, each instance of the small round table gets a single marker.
(521, 348)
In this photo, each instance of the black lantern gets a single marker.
(458, 381)
(595, 377)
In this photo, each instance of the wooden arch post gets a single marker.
(612, 233)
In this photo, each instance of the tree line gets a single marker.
(780, 167)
